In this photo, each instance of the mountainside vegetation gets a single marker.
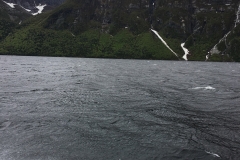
(9, 18)
(121, 29)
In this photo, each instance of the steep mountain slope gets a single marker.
(120, 29)
(35, 6)
(15, 14)
(9, 18)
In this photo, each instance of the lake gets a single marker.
(79, 108)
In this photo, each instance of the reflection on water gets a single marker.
(73, 108)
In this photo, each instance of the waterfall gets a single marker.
(186, 51)
(156, 33)
(207, 56)
(215, 50)
(237, 17)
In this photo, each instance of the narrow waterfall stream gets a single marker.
(186, 51)
(237, 17)
(215, 50)
(156, 33)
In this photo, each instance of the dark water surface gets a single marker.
(73, 108)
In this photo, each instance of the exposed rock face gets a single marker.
(193, 21)
(15, 14)
(31, 4)
(189, 16)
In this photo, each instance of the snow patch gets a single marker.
(10, 4)
(186, 51)
(156, 33)
(28, 10)
(40, 9)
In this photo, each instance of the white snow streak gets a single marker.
(186, 51)
(164, 42)
(28, 10)
(40, 9)
(10, 4)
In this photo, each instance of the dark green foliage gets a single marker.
(120, 29)
(36, 41)
(6, 27)
(235, 49)
(212, 28)
(93, 43)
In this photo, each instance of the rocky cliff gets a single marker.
(209, 28)
(12, 13)
(32, 6)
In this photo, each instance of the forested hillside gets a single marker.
(121, 29)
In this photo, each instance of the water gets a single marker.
(73, 108)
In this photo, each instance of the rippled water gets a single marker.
(73, 108)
